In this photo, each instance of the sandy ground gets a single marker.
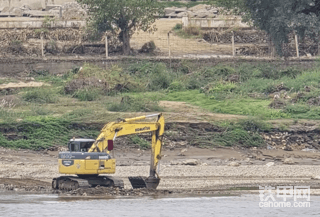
(213, 171)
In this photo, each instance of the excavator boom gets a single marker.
(95, 159)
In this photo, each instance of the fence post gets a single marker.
(169, 44)
(60, 12)
(42, 51)
(297, 45)
(107, 52)
(233, 48)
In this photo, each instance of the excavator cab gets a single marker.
(80, 145)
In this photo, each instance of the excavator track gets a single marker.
(69, 183)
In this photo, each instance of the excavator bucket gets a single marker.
(144, 182)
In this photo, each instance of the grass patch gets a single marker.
(41, 133)
(87, 94)
(187, 32)
(240, 106)
(142, 143)
(135, 104)
(41, 95)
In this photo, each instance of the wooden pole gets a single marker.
(233, 48)
(42, 50)
(297, 44)
(169, 48)
(60, 12)
(169, 44)
(107, 52)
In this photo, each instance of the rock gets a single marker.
(182, 14)
(25, 8)
(202, 14)
(204, 164)
(17, 11)
(190, 162)
(309, 150)
(179, 10)
(182, 152)
(288, 161)
(315, 177)
(270, 164)
(234, 164)
(175, 163)
(247, 160)
(200, 7)
(20, 163)
(172, 15)
(287, 148)
(169, 10)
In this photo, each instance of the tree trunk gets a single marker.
(126, 42)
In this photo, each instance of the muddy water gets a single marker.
(52, 205)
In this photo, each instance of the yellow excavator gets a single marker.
(88, 159)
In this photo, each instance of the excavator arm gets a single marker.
(104, 142)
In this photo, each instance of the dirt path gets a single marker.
(22, 85)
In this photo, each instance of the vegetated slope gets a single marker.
(41, 117)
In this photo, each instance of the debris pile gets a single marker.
(292, 140)
(198, 11)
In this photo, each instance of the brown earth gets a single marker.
(210, 171)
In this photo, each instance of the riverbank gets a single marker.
(199, 171)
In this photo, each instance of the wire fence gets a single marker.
(167, 44)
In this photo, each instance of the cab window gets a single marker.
(73, 146)
(85, 146)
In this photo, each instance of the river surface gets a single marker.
(52, 205)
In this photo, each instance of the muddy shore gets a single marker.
(195, 171)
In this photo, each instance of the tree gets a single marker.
(122, 17)
(280, 18)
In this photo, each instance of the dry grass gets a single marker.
(178, 45)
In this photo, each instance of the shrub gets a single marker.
(40, 95)
(87, 94)
(178, 26)
(143, 144)
(254, 125)
(51, 47)
(297, 109)
(160, 78)
(176, 86)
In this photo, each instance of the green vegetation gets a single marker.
(42, 133)
(280, 18)
(142, 143)
(187, 32)
(90, 94)
(43, 95)
(87, 94)
(109, 15)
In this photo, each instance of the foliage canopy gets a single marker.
(280, 18)
(122, 17)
